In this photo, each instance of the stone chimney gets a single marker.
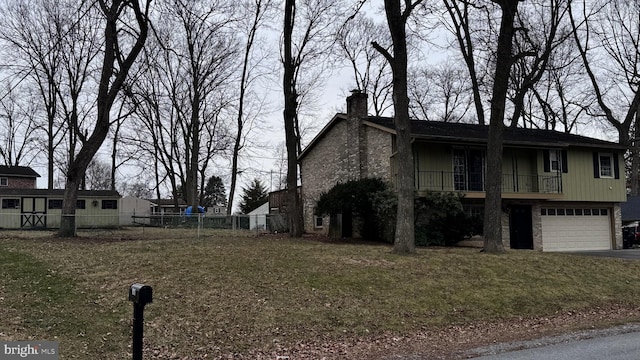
(357, 104)
(357, 143)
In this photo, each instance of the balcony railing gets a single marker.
(511, 183)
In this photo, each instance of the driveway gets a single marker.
(629, 254)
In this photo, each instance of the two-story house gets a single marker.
(561, 191)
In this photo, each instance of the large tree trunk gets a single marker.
(404, 241)
(108, 89)
(493, 202)
(294, 208)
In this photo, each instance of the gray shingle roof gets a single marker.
(437, 130)
(18, 171)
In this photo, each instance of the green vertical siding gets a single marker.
(579, 184)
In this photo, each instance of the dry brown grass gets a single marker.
(232, 292)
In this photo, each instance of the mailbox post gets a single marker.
(140, 295)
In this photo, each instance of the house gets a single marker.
(561, 192)
(17, 177)
(42, 208)
(258, 217)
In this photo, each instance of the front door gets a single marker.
(520, 227)
(34, 212)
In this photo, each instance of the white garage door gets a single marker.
(573, 229)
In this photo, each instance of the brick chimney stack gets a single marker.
(357, 104)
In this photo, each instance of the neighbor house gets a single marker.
(561, 192)
(18, 177)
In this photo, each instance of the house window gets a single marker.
(4, 181)
(317, 221)
(606, 165)
(468, 169)
(55, 204)
(555, 161)
(81, 204)
(109, 204)
(10, 203)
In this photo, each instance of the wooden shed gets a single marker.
(42, 208)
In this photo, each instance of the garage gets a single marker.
(576, 229)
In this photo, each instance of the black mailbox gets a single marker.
(141, 294)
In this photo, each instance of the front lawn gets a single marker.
(234, 293)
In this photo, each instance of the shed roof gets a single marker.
(57, 192)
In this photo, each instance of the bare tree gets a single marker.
(439, 94)
(114, 70)
(370, 69)
(397, 17)
(544, 29)
(257, 10)
(305, 41)
(32, 31)
(504, 59)
(18, 128)
(461, 25)
(615, 28)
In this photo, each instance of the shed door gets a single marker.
(576, 229)
(33, 212)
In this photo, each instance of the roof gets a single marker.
(18, 171)
(168, 202)
(460, 132)
(57, 192)
(631, 209)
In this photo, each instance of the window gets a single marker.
(10, 203)
(606, 165)
(604, 212)
(317, 221)
(555, 161)
(55, 204)
(570, 212)
(81, 204)
(4, 181)
(560, 211)
(109, 204)
(468, 169)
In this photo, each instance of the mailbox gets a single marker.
(140, 294)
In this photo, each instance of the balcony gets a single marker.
(472, 184)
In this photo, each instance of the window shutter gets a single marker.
(565, 164)
(596, 165)
(616, 170)
(545, 159)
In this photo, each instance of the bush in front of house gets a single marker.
(370, 201)
(442, 221)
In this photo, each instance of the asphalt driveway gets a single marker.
(629, 254)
